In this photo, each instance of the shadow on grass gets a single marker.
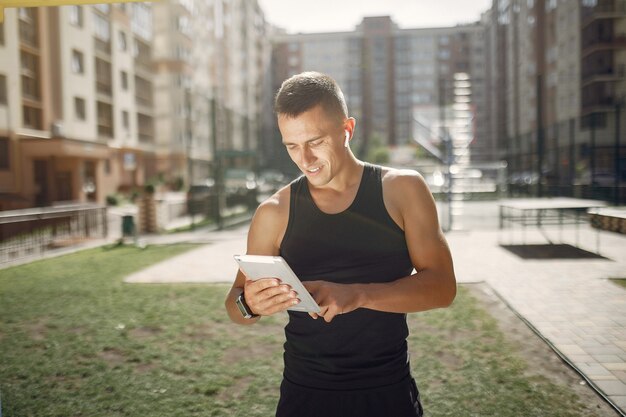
(551, 251)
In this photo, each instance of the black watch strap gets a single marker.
(245, 310)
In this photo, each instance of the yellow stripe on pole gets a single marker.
(40, 3)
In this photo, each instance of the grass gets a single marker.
(201, 221)
(76, 341)
(619, 281)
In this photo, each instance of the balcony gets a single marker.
(611, 9)
(591, 46)
(145, 129)
(606, 76)
(103, 46)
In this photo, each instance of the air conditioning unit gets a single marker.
(56, 129)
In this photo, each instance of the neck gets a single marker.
(349, 175)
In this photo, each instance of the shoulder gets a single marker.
(406, 191)
(269, 223)
(275, 206)
(403, 181)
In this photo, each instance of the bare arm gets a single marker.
(433, 286)
(264, 296)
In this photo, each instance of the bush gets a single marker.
(112, 200)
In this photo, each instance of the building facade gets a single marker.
(396, 80)
(77, 121)
(563, 93)
(101, 99)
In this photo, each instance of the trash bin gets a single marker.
(128, 225)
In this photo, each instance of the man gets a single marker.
(353, 233)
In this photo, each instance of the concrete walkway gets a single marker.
(571, 303)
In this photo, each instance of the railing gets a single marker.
(30, 233)
(611, 194)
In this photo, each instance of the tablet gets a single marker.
(258, 266)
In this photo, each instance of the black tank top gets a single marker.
(364, 348)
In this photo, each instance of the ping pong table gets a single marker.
(541, 212)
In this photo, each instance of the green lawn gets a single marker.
(619, 281)
(76, 341)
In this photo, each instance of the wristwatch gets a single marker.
(243, 307)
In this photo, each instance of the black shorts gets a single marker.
(397, 400)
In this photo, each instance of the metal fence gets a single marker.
(31, 232)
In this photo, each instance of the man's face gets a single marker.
(315, 142)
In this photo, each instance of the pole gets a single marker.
(217, 168)
(540, 139)
(449, 161)
(592, 156)
(616, 154)
(188, 147)
(572, 156)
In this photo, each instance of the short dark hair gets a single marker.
(306, 90)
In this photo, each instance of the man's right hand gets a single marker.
(268, 296)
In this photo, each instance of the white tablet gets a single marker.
(258, 266)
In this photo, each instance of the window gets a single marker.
(3, 89)
(4, 154)
(79, 108)
(104, 8)
(78, 66)
(104, 83)
(31, 117)
(183, 25)
(125, 119)
(141, 23)
(76, 16)
(27, 14)
(105, 119)
(102, 28)
(122, 41)
(30, 87)
(124, 77)
(30, 81)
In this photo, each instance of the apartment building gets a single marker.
(77, 120)
(392, 76)
(173, 84)
(101, 99)
(338, 54)
(563, 62)
(212, 59)
(603, 87)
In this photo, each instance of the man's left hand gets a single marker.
(333, 299)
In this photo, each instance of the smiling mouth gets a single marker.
(314, 170)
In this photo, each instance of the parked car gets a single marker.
(199, 197)
(240, 186)
(270, 181)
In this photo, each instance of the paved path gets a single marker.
(209, 263)
(571, 303)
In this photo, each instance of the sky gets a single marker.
(343, 15)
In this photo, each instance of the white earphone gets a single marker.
(345, 144)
